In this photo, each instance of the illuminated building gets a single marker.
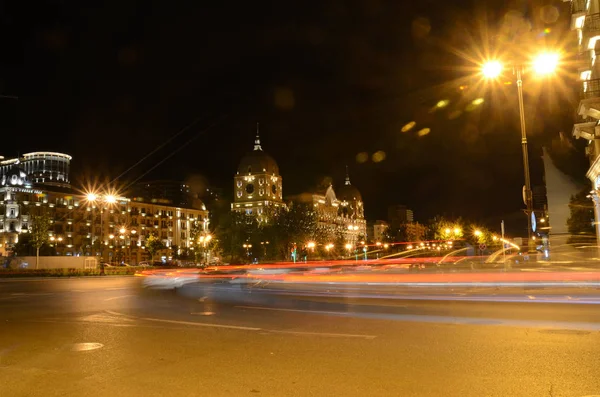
(379, 229)
(585, 20)
(339, 215)
(44, 168)
(257, 184)
(110, 226)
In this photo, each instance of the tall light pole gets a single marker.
(543, 64)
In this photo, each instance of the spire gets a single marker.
(347, 177)
(257, 140)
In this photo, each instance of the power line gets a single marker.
(176, 150)
(181, 131)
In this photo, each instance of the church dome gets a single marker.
(257, 161)
(348, 192)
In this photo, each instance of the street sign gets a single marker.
(482, 246)
(525, 194)
(533, 222)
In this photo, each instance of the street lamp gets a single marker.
(543, 63)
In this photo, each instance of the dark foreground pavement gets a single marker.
(109, 337)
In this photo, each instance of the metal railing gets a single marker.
(591, 89)
(591, 24)
(578, 6)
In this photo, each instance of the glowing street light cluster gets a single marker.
(542, 64)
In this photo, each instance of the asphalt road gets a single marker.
(109, 337)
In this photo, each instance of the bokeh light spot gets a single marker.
(477, 101)
(408, 126)
(454, 114)
(284, 98)
(378, 156)
(442, 104)
(362, 157)
(424, 131)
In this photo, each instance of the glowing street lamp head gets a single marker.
(122, 230)
(110, 199)
(545, 63)
(491, 69)
(91, 196)
(477, 233)
(348, 246)
(311, 244)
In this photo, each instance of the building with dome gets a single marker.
(257, 184)
(340, 215)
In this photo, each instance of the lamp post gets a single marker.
(543, 64)
(91, 199)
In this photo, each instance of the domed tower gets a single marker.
(257, 183)
(351, 209)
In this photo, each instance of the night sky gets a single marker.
(327, 80)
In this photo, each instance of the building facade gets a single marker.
(340, 215)
(41, 168)
(398, 215)
(112, 227)
(257, 184)
(380, 229)
(585, 20)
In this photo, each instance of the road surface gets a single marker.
(109, 337)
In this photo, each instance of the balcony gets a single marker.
(578, 6)
(591, 31)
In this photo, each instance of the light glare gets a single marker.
(491, 69)
(545, 63)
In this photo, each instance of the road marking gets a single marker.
(531, 296)
(114, 288)
(117, 314)
(203, 313)
(202, 299)
(294, 310)
(117, 297)
(77, 290)
(331, 335)
(201, 324)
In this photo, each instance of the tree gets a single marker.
(40, 225)
(153, 245)
(580, 222)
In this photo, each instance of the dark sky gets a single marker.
(327, 80)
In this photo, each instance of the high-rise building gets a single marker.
(399, 214)
(585, 19)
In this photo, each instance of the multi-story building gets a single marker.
(43, 168)
(257, 184)
(398, 215)
(258, 187)
(109, 226)
(585, 19)
(340, 215)
(379, 229)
